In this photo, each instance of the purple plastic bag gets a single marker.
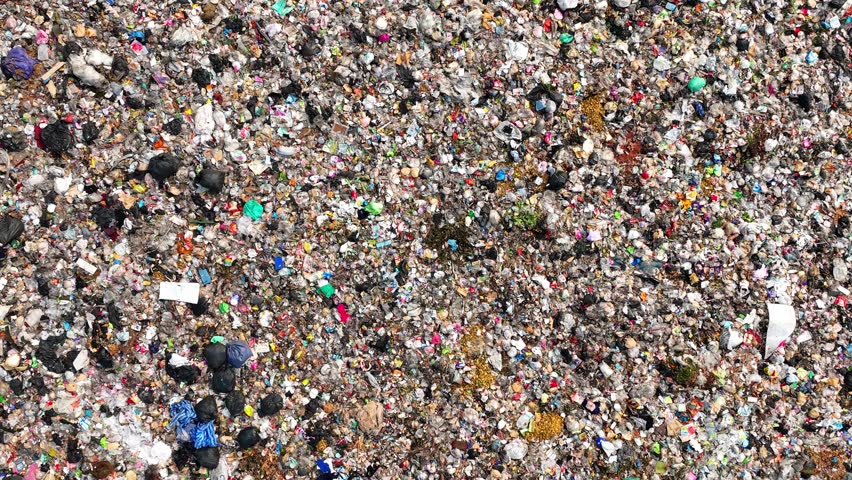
(18, 64)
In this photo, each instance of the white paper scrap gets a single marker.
(86, 266)
(180, 291)
(782, 322)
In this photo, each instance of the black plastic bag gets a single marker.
(206, 409)
(223, 381)
(201, 77)
(310, 48)
(174, 126)
(207, 457)
(216, 63)
(56, 138)
(163, 166)
(213, 180)
(186, 374)
(216, 355)
(90, 133)
(105, 217)
(103, 358)
(13, 141)
(248, 437)
(557, 181)
(120, 68)
(200, 308)
(146, 395)
(46, 353)
(235, 402)
(16, 386)
(10, 229)
(72, 48)
(182, 455)
(270, 405)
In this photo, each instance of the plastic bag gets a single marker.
(247, 438)
(235, 402)
(200, 308)
(90, 133)
(56, 138)
(206, 409)
(216, 355)
(163, 166)
(238, 353)
(204, 123)
(18, 64)
(212, 180)
(270, 405)
(223, 381)
(10, 229)
(207, 457)
(87, 74)
(182, 414)
(204, 436)
(185, 374)
(14, 141)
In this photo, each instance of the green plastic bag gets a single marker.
(695, 84)
(253, 210)
(326, 289)
(375, 208)
(281, 7)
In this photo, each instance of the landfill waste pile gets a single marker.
(570, 239)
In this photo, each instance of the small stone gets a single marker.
(813, 413)
(517, 387)
(629, 342)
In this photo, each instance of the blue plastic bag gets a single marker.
(238, 353)
(204, 436)
(182, 414)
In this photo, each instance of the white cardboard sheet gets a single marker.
(180, 291)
